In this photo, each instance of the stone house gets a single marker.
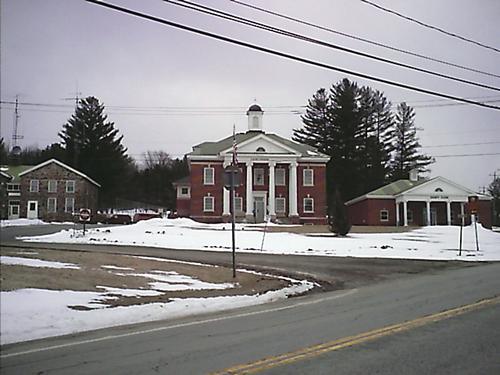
(51, 191)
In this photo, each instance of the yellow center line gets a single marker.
(316, 350)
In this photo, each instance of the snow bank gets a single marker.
(20, 222)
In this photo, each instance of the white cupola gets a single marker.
(255, 114)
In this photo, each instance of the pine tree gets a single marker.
(93, 146)
(406, 145)
(338, 220)
(494, 190)
(316, 131)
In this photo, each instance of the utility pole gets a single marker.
(16, 150)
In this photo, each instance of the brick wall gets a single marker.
(367, 212)
(317, 192)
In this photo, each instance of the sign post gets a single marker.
(473, 207)
(85, 215)
(232, 179)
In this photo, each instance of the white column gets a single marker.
(448, 212)
(428, 208)
(292, 210)
(225, 197)
(397, 213)
(405, 213)
(272, 212)
(249, 193)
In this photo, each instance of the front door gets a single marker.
(32, 209)
(433, 216)
(259, 209)
(14, 209)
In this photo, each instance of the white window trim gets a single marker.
(205, 179)
(304, 172)
(66, 204)
(181, 195)
(304, 205)
(278, 211)
(70, 183)
(255, 173)
(240, 204)
(208, 197)
(13, 187)
(380, 215)
(55, 205)
(278, 182)
(34, 183)
(52, 183)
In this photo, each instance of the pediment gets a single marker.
(440, 187)
(261, 144)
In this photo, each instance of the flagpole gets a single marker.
(231, 201)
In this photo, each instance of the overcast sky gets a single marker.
(52, 49)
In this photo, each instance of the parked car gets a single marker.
(118, 219)
(146, 216)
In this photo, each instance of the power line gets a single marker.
(378, 44)
(430, 26)
(286, 55)
(462, 144)
(463, 155)
(262, 26)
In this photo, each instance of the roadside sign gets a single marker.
(473, 204)
(85, 214)
(235, 171)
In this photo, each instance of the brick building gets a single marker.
(418, 202)
(280, 178)
(51, 191)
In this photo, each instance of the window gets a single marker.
(69, 205)
(308, 175)
(238, 204)
(438, 190)
(34, 186)
(208, 176)
(13, 187)
(14, 208)
(70, 186)
(261, 149)
(183, 192)
(258, 176)
(208, 204)
(280, 205)
(51, 205)
(52, 188)
(384, 215)
(279, 177)
(308, 205)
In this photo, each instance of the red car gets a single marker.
(144, 216)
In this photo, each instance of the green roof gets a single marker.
(214, 148)
(396, 187)
(15, 170)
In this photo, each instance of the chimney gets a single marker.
(414, 174)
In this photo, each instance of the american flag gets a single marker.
(235, 147)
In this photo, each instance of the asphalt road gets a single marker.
(466, 342)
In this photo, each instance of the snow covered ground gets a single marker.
(27, 314)
(20, 222)
(434, 242)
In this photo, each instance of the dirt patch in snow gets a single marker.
(125, 272)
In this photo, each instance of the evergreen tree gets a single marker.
(93, 146)
(316, 131)
(494, 190)
(406, 145)
(4, 154)
(338, 220)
